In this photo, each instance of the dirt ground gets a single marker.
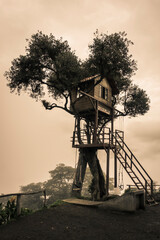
(71, 222)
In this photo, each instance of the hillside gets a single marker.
(76, 222)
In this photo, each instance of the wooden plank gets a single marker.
(82, 202)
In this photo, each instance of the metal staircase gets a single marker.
(134, 169)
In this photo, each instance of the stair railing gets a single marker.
(133, 160)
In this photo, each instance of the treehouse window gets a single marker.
(103, 92)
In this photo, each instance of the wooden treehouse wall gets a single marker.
(85, 103)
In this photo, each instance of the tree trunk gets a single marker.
(89, 155)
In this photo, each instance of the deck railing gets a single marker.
(18, 195)
(88, 138)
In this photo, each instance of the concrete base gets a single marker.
(129, 202)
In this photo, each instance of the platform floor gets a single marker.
(94, 145)
(82, 202)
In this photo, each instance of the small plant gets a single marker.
(56, 203)
(91, 187)
(3, 215)
(7, 212)
(26, 211)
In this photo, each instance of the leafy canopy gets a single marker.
(51, 69)
(58, 186)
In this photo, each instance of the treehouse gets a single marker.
(93, 93)
(92, 103)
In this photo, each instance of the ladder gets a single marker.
(132, 166)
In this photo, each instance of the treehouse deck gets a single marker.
(99, 146)
(85, 139)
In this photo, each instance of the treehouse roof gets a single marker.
(109, 79)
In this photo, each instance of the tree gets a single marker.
(60, 184)
(51, 69)
(32, 201)
(57, 187)
(109, 56)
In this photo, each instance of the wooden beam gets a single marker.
(92, 97)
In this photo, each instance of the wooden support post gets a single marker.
(107, 171)
(95, 122)
(115, 168)
(103, 136)
(112, 124)
(145, 190)
(74, 132)
(152, 188)
(18, 204)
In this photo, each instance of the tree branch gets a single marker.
(54, 86)
(54, 105)
(48, 67)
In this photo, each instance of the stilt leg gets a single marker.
(107, 172)
(115, 169)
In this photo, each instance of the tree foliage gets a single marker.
(109, 56)
(57, 187)
(32, 201)
(51, 69)
(60, 183)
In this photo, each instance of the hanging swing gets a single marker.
(120, 173)
(77, 187)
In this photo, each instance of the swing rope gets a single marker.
(76, 158)
(120, 174)
(120, 179)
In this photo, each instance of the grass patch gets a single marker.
(56, 203)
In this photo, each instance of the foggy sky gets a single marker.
(34, 140)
